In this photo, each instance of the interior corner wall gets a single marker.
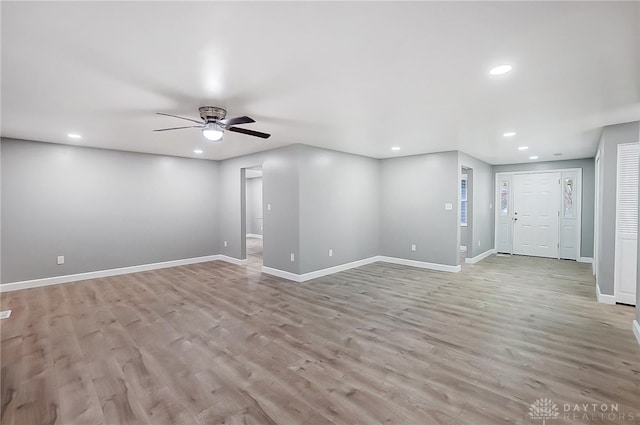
(101, 209)
(280, 183)
(612, 136)
(339, 208)
(414, 191)
(480, 235)
(588, 192)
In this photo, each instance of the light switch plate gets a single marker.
(413, 247)
(448, 206)
(60, 259)
(293, 257)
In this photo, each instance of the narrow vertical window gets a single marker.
(463, 200)
(504, 198)
(568, 207)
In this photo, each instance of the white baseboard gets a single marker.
(604, 298)
(480, 257)
(359, 263)
(588, 260)
(281, 273)
(636, 330)
(254, 235)
(463, 248)
(232, 260)
(421, 264)
(36, 283)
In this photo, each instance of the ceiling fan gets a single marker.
(213, 124)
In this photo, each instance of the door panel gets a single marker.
(504, 211)
(626, 253)
(536, 210)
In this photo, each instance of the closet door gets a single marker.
(626, 248)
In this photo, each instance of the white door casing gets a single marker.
(596, 218)
(626, 248)
(536, 214)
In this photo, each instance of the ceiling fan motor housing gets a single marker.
(212, 113)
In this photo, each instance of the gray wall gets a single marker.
(481, 237)
(588, 192)
(339, 208)
(280, 180)
(101, 209)
(414, 191)
(254, 205)
(608, 149)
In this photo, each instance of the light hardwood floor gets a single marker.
(215, 343)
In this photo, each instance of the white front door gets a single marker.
(535, 213)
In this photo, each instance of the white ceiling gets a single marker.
(354, 76)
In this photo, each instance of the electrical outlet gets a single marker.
(225, 244)
(60, 259)
(330, 252)
(478, 243)
(268, 207)
(413, 247)
(293, 257)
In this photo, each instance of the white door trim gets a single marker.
(559, 170)
(596, 215)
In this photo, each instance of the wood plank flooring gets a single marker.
(215, 343)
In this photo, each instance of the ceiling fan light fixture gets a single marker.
(212, 132)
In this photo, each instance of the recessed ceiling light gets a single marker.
(533, 157)
(395, 148)
(502, 69)
(523, 148)
(74, 136)
(509, 134)
(198, 151)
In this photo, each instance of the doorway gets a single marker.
(539, 213)
(254, 218)
(466, 213)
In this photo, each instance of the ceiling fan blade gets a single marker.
(236, 121)
(178, 128)
(182, 118)
(249, 132)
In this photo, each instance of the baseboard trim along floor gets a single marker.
(359, 263)
(56, 280)
(480, 257)
(604, 298)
